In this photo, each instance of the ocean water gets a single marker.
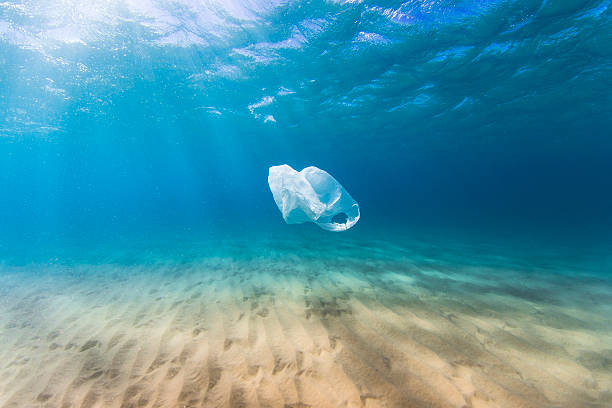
(144, 263)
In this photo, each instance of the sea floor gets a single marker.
(307, 323)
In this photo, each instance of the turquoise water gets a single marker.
(154, 115)
(135, 142)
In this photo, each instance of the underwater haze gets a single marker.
(144, 262)
(167, 115)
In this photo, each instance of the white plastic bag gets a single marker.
(312, 195)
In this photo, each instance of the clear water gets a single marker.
(135, 141)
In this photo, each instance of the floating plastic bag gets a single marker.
(312, 195)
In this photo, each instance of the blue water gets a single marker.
(475, 136)
(158, 116)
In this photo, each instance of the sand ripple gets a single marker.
(292, 332)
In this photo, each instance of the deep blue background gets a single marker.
(466, 116)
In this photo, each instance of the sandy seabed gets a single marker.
(365, 325)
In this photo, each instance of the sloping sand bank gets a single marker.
(297, 330)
